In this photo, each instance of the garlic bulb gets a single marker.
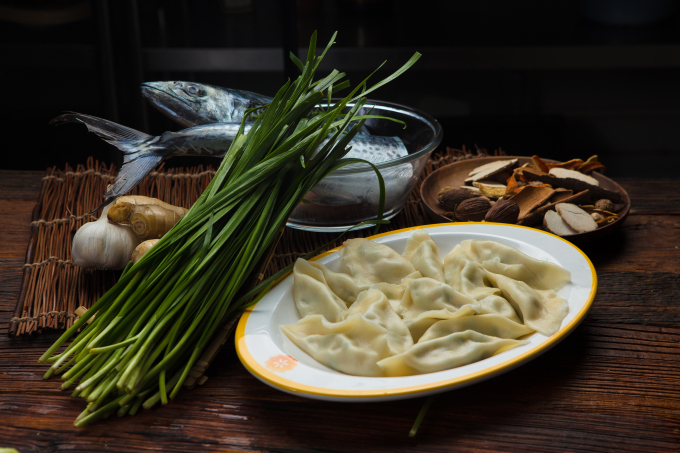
(103, 245)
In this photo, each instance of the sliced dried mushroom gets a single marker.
(536, 216)
(578, 219)
(573, 174)
(554, 223)
(577, 185)
(492, 168)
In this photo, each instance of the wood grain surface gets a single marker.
(612, 385)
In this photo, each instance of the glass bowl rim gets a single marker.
(410, 111)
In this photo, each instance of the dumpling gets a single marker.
(394, 293)
(543, 311)
(454, 350)
(426, 260)
(421, 251)
(421, 323)
(550, 275)
(514, 271)
(426, 294)
(496, 305)
(343, 285)
(370, 262)
(353, 346)
(413, 242)
(373, 304)
(491, 325)
(467, 277)
(312, 294)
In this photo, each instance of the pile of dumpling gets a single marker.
(401, 315)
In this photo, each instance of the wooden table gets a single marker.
(612, 385)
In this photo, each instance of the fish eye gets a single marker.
(194, 91)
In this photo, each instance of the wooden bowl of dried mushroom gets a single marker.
(570, 199)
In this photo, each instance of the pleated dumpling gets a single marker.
(426, 260)
(543, 311)
(467, 277)
(443, 353)
(374, 306)
(342, 285)
(353, 346)
(550, 275)
(421, 323)
(421, 251)
(514, 271)
(491, 325)
(394, 293)
(426, 294)
(413, 242)
(370, 262)
(496, 305)
(312, 295)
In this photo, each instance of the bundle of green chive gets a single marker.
(154, 324)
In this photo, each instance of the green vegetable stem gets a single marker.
(152, 326)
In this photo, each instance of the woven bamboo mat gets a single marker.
(53, 287)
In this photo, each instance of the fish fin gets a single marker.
(138, 159)
(108, 130)
(132, 172)
(103, 205)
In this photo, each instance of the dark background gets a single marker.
(562, 79)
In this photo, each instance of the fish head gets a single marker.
(186, 103)
(194, 104)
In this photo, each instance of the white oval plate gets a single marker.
(272, 358)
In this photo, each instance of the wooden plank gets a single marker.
(661, 195)
(637, 298)
(611, 385)
(20, 185)
(645, 243)
(15, 218)
(605, 387)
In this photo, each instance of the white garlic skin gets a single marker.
(103, 245)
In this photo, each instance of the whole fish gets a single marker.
(142, 152)
(192, 104)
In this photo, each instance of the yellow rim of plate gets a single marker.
(291, 386)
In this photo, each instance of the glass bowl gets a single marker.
(350, 195)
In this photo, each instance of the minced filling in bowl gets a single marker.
(351, 195)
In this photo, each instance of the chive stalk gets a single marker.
(153, 325)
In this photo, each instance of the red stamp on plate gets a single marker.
(280, 363)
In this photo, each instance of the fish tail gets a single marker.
(139, 158)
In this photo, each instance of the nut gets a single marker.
(605, 205)
(473, 209)
(597, 216)
(449, 197)
(504, 211)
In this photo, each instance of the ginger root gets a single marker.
(142, 248)
(149, 217)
